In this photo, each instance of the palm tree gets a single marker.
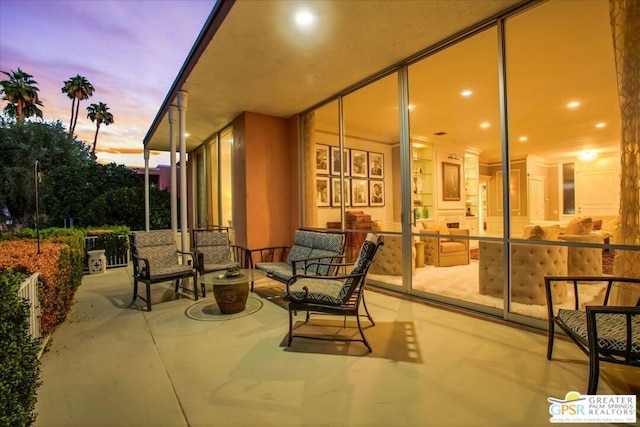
(22, 94)
(100, 114)
(77, 88)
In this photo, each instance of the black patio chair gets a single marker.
(337, 295)
(155, 260)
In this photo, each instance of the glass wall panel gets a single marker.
(325, 196)
(201, 200)
(371, 141)
(226, 177)
(564, 143)
(213, 174)
(455, 143)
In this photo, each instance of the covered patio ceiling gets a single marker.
(251, 55)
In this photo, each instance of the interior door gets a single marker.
(535, 190)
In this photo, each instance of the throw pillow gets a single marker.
(597, 224)
(579, 226)
(538, 232)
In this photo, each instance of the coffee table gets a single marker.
(231, 292)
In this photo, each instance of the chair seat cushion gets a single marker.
(320, 291)
(447, 247)
(611, 330)
(208, 268)
(158, 273)
(278, 270)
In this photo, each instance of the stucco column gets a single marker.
(182, 129)
(173, 190)
(146, 190)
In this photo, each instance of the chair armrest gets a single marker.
(308, 262)
(136, 272)
(192, 255)
(242, 255)
(270, 253)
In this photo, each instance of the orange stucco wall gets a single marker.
(265, 176)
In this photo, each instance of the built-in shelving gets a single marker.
(422, 180)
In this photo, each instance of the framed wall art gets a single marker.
(339, 191)
(322, 159)
(359, 163)
(336, 161)
(359, 192)
(450, 181)
(376, 193)
(322, 191)
(376, 165)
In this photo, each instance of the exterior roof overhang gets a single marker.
(250, 56)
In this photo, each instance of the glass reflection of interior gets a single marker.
(562, 130)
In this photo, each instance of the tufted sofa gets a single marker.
(584, 261)
(530, 263)
(389, 256)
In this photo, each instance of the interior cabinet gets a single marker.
(422, 180)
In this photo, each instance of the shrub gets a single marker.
(60, 263)
(19, 367)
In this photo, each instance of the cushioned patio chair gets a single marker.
(605, 333)
(155, 260)
(214, 252)
(337, 295)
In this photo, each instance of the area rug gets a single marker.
(460, 282)
(607, 259)
(208, 310)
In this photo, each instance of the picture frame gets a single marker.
(376, 165)
(322, 191)
(337, 195)
(376, 193)
(359, 166)
(322, 159)
(514, 190)
(336, 161)
(359, 192)
(451, 190)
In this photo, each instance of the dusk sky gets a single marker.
(130, 51)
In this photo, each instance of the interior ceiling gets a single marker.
(259, 61)
(571, 60)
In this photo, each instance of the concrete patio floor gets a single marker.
(113, 365)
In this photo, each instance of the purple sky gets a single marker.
(130, 51)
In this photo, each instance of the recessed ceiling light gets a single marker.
(411, 106)
(304, 19)
(600, 125)
(187, 134)
(523, 138)
(466, 93)
(573, 104)
(485, 125)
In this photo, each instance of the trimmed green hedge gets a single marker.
(19, 365)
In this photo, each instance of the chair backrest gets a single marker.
(158, 246)
(214, 245)
(361, 266)
(313, 244)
